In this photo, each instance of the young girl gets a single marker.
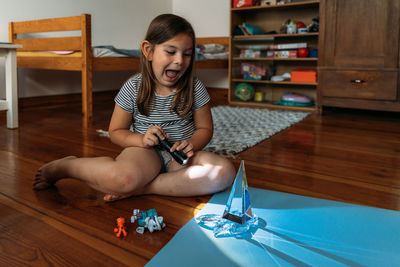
(163, 101)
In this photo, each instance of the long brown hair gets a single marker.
(163, 28)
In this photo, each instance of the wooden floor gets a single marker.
(344, 155)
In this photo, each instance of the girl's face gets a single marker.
(169, 60)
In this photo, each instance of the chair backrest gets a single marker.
(64, 43)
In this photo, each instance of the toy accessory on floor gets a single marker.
(121, 228)
(147, 219)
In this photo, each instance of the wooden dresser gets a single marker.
(359, 54)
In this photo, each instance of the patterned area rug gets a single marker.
(236, 129)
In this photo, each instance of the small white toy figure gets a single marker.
(147, 219)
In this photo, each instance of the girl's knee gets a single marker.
(123, 181)
(226, 175)
(222, 172)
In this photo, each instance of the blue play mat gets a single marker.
(295, 231)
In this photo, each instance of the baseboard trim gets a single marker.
(219, 96)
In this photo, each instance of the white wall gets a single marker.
(121, 23)
(118, 22)
(209, 18)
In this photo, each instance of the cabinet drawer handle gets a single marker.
(357, 81)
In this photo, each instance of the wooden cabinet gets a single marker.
(270, 20)
(359, 54)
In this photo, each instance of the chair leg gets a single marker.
(87, 97)
(11, 89)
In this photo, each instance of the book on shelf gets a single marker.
(285, 54)
(287, 46)
(272, 46)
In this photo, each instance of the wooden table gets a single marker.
(8, 51)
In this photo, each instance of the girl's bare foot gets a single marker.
(49, 174)
(112, 197)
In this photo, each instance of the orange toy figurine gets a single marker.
(120, 227)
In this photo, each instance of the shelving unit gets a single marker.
(270, 18)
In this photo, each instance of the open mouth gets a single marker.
(172, 74)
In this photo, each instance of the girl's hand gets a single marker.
(185, 147)
(150, 137)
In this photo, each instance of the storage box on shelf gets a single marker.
(274, 51)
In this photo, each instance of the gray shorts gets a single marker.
(165, 159)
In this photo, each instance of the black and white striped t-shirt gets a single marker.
(178, 128)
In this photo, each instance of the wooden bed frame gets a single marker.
(34, 55)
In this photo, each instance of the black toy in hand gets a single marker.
(179, 156)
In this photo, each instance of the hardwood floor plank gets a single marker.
(344, 155)
(49, 242)
(79, 206)
(374, 159)
(321, 186)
